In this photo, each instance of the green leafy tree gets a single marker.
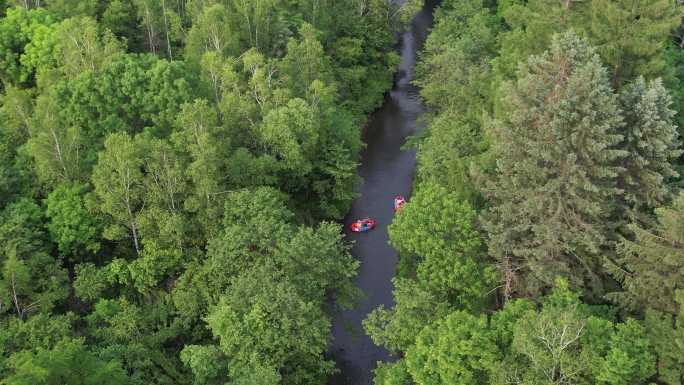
(41, 330)
(118, 182)
(16, 176)
(290, 133)
(69, 362)
(305, 62)
(64, 9)
(257, 230)
(415, 307)
(532, 26)
(558, 341)
(138, 336)
(362, 63)
(205, 363)
(439, 229)
(31, 280)
(394, 373)
(72, 118)
(455, 350)
(200, 136)
(548, 343)
(259, 24)
(212, 31)
(118, 18)
(262, 321)
(630, 359)
(463, 38)
(73, 226)
(319, 263)
(161, 25)
(54, 145)
(17, 29)
(73, 46)
(164, 225)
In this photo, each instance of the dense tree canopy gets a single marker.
(553, 149)
(169, 171)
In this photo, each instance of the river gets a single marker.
(386, 171)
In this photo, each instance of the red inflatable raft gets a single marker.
(362, 225)
(398, 202)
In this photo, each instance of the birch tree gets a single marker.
(118, 182)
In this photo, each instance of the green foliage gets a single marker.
(213, 30)
(415, 307)
(630, 359)
(31, 279)
(17, 29)
(305, 62)
(391, 373)
(176, 147)
(15, 176)
(555, 222)
(439, 228)
(263, 321)
(263, 281)
(457, 348)
(565, 154)
(71, 47)
(63, 9)
(118, 18)
(204, 362)
(666, 333)
(73, 117)
(290, 134)
(630, 36)
(72, 226)
(560, 341)
(56, 366)
(118, 185)
(531, 27)
(455, 78)
(138, 337)
(161, 25)
(651, 140)
(650, 266)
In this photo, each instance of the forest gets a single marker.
(172, 177)
(174, 173)
(544, 241)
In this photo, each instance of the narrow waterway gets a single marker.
(386, 171)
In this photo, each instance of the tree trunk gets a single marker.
(166, 28)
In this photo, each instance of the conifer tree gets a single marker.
(630, 35)
(651, 268)
(651, 139)
(666, 333)
(556, 173)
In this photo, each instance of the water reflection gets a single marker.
(387, 171)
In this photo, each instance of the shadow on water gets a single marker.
(386, 171)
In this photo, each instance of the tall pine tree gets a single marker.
(651, 267)
(631, 35)
(556, 171)
(651, 139)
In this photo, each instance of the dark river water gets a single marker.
(386, 171)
